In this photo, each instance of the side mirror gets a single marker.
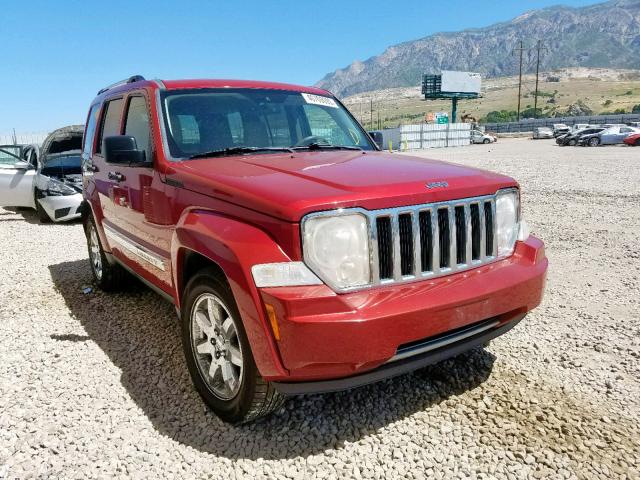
(377, 138)
(123, 150)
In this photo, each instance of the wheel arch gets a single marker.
(206, 239)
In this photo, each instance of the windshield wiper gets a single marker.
(223, 152)
(318, 146)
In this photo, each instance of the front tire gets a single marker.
(107, 276)
(594, 142)
(572, 143)
(218, 353)
(486, 140)
(43, 216)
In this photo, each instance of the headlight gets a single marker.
(336, 248)
(56, 188)
(507, 220)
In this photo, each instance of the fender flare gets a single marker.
(234, 246)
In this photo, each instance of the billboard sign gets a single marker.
(460, 82)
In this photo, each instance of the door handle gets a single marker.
(117, 176)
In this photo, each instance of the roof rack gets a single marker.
(131, 79)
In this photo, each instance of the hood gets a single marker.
(64, 139)
(288, 186)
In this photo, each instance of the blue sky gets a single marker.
(58, 54)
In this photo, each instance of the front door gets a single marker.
(17, 178)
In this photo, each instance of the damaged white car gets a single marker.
(49, 181)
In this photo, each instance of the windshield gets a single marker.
(10, 154)
(230, 120)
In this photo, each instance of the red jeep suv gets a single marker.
(299, 257)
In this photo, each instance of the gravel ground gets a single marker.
(95, 385)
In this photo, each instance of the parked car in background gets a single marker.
(571, 139)
(48, 179)
(633, 140)
(578, 126)
(560, 129)
(542, 132)
(478, 136)
(299, 257)
(609, 136)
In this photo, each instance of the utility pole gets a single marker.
(371, 112)
(521, 50)
(535, 102)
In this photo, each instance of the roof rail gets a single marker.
(131, 79)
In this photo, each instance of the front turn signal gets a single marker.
(273, 319)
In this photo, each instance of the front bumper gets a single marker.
(329, 336)
(62, 208)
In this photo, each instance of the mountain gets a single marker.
(603, 35)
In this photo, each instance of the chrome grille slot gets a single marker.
(461, 235)
(489, 208)
(474, 210)
(427, 241)
(385, 248)
(444, 237)
(405, 225)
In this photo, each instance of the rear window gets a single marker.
(110, 121)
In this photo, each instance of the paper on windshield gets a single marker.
(319, 100)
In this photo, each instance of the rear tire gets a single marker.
(218, 353)
(106, 276)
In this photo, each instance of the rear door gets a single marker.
(17, 178)
(106, 186)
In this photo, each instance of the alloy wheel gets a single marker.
(216, 346)
(95, 255)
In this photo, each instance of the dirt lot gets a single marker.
(95, 385)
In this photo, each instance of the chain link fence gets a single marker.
(530, 124)
(31, 138)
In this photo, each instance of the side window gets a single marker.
(137, 124)
(110, 121)
(90, 131)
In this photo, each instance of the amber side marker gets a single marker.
(271, 313)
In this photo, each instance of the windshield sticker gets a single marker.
(319, 100)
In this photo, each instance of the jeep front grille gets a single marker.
(426, 241)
